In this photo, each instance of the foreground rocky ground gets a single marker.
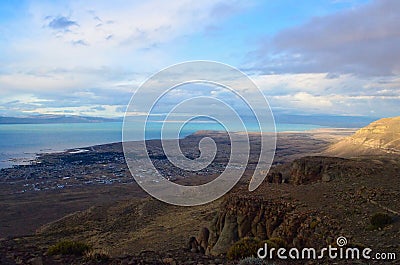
(307, 200)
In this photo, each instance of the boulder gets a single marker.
(228, 236)
(202, 238)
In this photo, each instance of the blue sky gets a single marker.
(338, 57)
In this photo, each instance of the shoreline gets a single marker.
(27, 158)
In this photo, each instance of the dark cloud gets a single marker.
(363, 40)
(100, 108)
(223, 9)
(20, 106)
(80, 42)
(97, 18)
(62, 23)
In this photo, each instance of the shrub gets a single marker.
(97, 255)
(276, 242)
(251, 261)
(68, 248)
(359, 246)
(313, 224)
(245, 247)
(380, 220)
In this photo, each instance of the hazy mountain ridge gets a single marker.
(46, 119)
(280, 118)
(379, 137)
(335, 121)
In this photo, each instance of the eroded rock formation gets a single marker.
(241, 217)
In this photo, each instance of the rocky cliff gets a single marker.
(252, 216)
(288, 216)
(312, 169)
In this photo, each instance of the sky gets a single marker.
(336, 57)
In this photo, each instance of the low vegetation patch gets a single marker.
(245, 247)
(276, 242)
(251, 261)
(68, 248)
(380, 220)
(97, 256)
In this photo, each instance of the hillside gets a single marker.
(379, 137)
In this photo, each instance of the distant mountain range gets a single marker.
(334, 121)
(280, 118)
(46, 119)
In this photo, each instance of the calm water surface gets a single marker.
(19, 143)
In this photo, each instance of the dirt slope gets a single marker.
(379, 137)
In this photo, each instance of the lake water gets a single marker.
(20, 143)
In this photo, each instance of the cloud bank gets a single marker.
(87, 58)
(363, 41)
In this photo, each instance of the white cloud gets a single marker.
(322, 93)
(108, 111)
(305, 100)
(72, 48)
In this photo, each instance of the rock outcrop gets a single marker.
(379, 137)
(242, 217)
(311, 169)
(203, 237)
